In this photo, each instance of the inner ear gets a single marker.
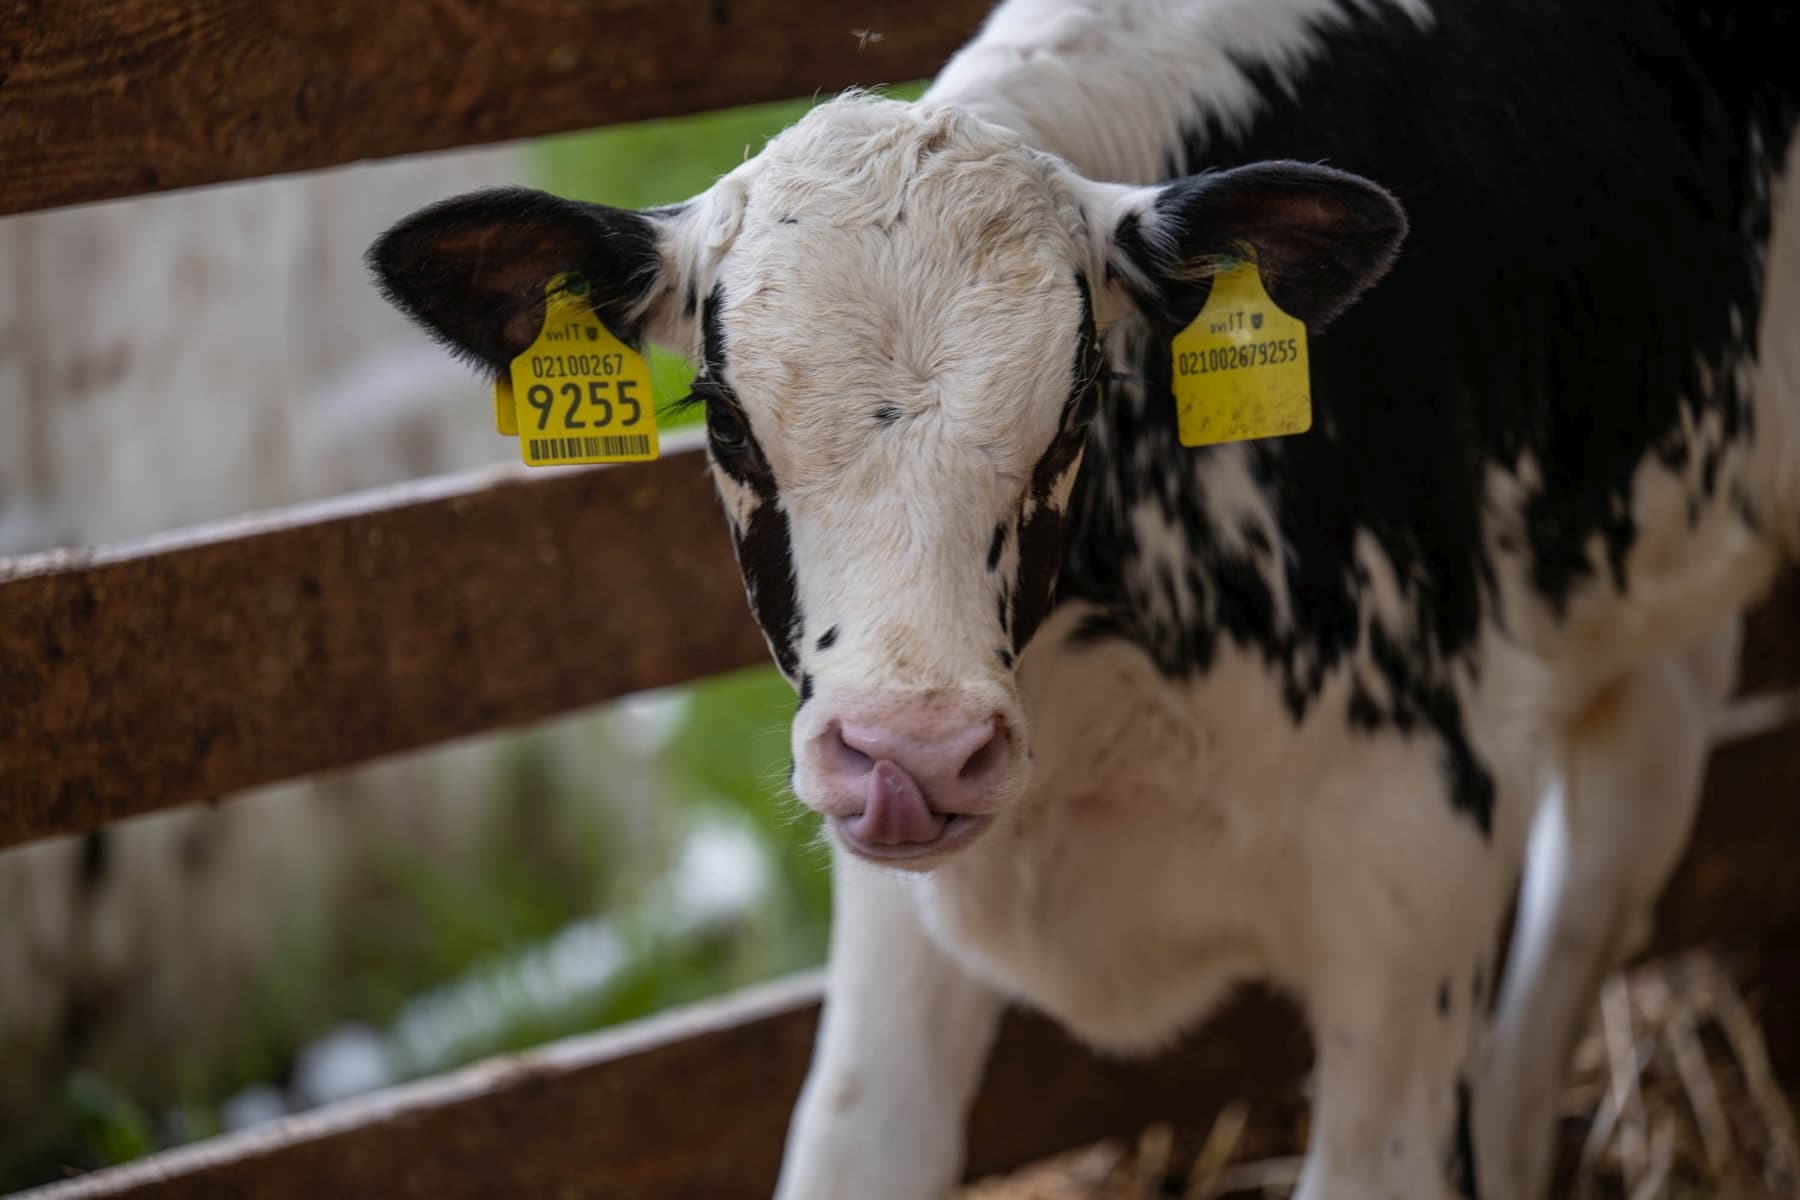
(1321, 237)
(473, 269)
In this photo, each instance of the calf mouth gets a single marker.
(955, 832)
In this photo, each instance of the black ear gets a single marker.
(472, 269)
(1321, 238)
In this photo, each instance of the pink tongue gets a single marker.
(896, 814)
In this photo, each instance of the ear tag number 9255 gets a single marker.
(1240, 369)
(577, 394)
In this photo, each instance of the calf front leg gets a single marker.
(1404, 893)
(1392, 1119)
(901, 1046)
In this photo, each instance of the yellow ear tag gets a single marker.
(579, 394)
(1240, 369)
(506, 417)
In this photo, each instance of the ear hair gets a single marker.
(473, 269)
(1320, 238)
(1097, 211)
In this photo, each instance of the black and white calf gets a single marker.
(1104, 725)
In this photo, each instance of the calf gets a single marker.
(1106, 725)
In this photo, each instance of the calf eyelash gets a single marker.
(682, 405)
(701, 393)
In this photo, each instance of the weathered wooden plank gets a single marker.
(696, 1104)
(104, 98)
(185, 667)
(688, 1106)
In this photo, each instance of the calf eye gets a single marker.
(726, 427)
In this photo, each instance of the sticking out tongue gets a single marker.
(896, 814)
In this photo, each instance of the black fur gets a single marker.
(1460, 1161)
(764, 549)
(1024, 604)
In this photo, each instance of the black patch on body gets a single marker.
(764, 548)
(828, 639)
(1572, 251)
(1461, 1159)
(1363, 712)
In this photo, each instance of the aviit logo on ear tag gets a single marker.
(1240, 369)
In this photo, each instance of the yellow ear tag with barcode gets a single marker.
(577, 394)
(1240, 369)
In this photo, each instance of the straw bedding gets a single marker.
(1672, 1097)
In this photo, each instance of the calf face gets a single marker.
(897, 312)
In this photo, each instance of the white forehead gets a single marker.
(900, 259)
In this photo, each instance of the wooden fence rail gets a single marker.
(185, 667)
(106, 98)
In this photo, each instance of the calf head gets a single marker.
(897, 312)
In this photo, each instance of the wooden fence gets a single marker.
(187, 667)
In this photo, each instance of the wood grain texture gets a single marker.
(186, 667)
(183, 668)
(694, 1105)
(690, 1106)
(106, 98)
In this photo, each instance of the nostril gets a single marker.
(843, 758)
(987, 758)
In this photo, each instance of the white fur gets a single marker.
(1061, 71)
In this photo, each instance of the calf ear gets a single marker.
(1321, 237)
(473, 269)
